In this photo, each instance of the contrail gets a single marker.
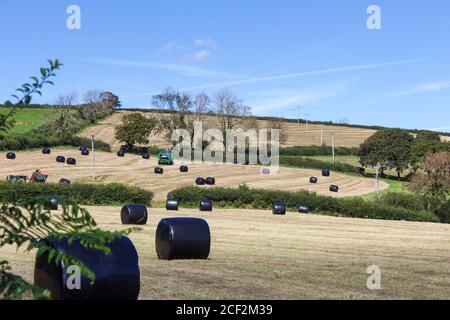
(293, 75)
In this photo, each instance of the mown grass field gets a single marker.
(354, 161)
(134, 170)
(256, 255)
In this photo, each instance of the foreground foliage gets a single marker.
(25, 223)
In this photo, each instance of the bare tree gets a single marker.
(179, 106)
(97, 105)
(67, 100)
(279, 124)
(62, 121)
(230, 109)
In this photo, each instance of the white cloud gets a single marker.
(200, 50)
(201, 55)
(205, 43)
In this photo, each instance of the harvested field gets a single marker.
(256, 255)
(297, 134)
(134, 170)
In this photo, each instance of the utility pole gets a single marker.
(321, 135)
(93, 156)
(332, 148)
(378, 167)
(307, 135)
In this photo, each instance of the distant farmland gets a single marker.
(28, 119)
(298, 134)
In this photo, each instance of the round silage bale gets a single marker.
(10, 156)
(334, 188)
(136, 214)
(60, 159)
(117, 274)
(71, 161)
(206, 205)
(182, 238)
(279, 208)
(313, 180)
(172, 204)
(200, 181)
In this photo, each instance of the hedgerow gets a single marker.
(244, 197)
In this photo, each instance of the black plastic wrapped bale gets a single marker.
(265, 171)
(279, 208)
(85, 152)
(362, 170)
(51, 204)
(206, 205)
(210, 181)
(303, 208)
(200, 181)
(117, 275)
(83, 147)
(325, 172)
(60, 159)
(159, 170)
(146, 156)
(134, 214)
(334, 188)
(184, 169)
(246, 163)
(15, 178)
(71, 161)
(121, 153)
(235, 161)
(46, 151)
(182, 238)
(313, 180)
(10, 156)
(172, 204)
(64, 181)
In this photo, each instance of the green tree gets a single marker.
(388, 147)
(432, 180)
(426, 142)
(135, 129)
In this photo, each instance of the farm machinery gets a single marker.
(36, 177)
(165, 157)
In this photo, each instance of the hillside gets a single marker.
(297, 134)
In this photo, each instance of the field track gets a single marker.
(256, 255)
(136, 171)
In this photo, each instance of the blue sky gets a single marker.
(276, 55)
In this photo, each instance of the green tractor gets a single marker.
(165, 157)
